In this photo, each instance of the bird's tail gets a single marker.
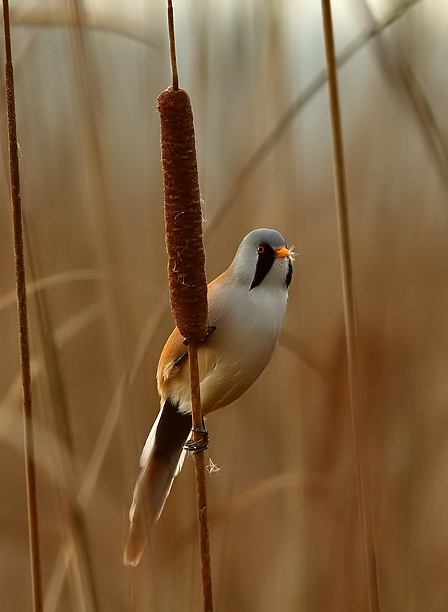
(161, 461)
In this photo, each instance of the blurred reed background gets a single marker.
(283, 508)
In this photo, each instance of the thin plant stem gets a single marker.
(186, 265)
(340, 189)
(201, 489)
(22, 310)
(173, 58)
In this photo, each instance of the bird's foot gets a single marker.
(208, 332)
(196, 446)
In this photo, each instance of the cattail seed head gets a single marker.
(183, 214)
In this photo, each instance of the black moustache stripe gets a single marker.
(264, 264)
(289, 273)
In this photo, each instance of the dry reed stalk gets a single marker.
(188, 287)
(201, 488)
(350, 317)
(186, 266)
(173, 59)
(22, 310)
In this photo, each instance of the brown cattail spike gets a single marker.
(183, 215)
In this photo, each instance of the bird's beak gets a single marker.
(282, 252)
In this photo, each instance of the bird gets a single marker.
(246, 308)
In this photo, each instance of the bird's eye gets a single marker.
(260, 249)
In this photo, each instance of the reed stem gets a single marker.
(22, 313)
(350, 317)
(172, 39)
(201, 488)
(186, 265)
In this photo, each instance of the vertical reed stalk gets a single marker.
(186, 261)
(173, 59)
(340, 188)
(201, 488)
(22, 311)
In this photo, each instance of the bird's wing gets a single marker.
(174, 355)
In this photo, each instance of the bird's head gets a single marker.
(263, 260)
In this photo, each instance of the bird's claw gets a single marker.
(196, 446)
(208, 332)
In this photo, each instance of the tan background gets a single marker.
(283, 507)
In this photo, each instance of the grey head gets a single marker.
(263, 260)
